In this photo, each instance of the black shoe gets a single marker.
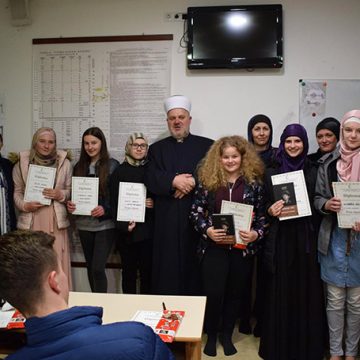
(210, 347)
(245, 327)
(226, 342)
(257, 330)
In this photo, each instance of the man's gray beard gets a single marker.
(181, 138)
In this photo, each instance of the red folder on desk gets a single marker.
(168, 324)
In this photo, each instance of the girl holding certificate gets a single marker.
(231, 171)
(96, 231)
(294, 316)
(33, 214)
(134, 239)
(339, 248)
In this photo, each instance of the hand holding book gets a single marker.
(223, 231)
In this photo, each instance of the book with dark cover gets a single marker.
(286, 192)
(225, 222)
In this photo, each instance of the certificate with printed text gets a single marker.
(131, 202)
(38, 179)
(85, 194)
(242, 216)
(301, 194)
(349, 194)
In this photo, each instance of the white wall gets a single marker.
(320, 42)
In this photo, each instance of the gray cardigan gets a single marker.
(323, 192)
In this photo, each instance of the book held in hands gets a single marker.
(225, 222)
(286, 192)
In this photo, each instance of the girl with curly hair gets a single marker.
(230, 171)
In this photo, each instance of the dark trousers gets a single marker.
(226, 276)
(97, 246)
(260, 297)
(135, 256)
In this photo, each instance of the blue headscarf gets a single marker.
(288, 163)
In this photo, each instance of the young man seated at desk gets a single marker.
(32, 280)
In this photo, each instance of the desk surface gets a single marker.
(122, 307)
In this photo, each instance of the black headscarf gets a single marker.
(267, 154)
(331, 124)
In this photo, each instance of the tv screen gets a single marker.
(248, 36)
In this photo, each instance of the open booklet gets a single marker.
(164, 323)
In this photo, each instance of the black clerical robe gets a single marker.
(175, 266)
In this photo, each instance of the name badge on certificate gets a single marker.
(38, 179)
(85, 194)
(349, 194)
(131, 202)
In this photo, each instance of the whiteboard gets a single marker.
(325, 98)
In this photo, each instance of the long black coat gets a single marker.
(294, 324)
(175, 269)
(6, 167)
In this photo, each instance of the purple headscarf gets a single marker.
(288, 163)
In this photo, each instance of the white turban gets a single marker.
(177, 102)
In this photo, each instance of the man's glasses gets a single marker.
(139, 146)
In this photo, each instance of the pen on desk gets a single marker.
(164, 307)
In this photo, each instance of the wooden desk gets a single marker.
(122, 307)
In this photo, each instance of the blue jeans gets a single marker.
(339, 299)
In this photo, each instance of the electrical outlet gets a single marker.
(174, 16)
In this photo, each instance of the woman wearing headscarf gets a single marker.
(260, 134)
(327, 136)
(96, 231)
(34, 215)
(294, 320)
(133, 239)
(339, 248)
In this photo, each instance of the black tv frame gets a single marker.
(235, 63)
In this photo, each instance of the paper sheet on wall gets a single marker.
(117, 86)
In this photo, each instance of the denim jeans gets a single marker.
(343, 311)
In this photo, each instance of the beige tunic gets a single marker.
(53, 218)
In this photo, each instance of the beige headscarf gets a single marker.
(128, 158)
(35, 157)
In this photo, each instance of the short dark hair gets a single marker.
(26, 257)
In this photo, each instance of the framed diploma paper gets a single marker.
(85, 194)
(349, 194)
(38, 179)
(301, 194)
(242, 216)
(131, 202)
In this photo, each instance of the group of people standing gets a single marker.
(178, 251)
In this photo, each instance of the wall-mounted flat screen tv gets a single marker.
(243, 36)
